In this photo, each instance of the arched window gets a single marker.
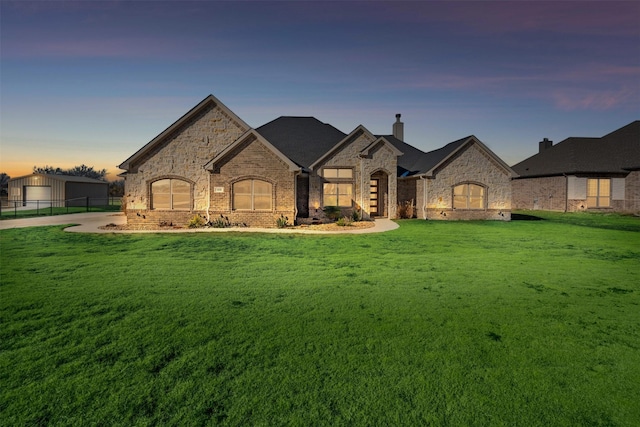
(468, 196)
(252, 195)
(171, 194)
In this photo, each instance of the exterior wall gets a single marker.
(560, 193)
(76, 192)
(471, 165)
(632, 192)
(380, 159)
(546, 193)
(302, 196)
(17, 191)
(252, 160)
(182, 155)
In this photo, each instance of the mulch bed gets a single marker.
(321, 227)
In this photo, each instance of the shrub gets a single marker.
(196, 221)
(332, 212)
(222, 222)
(343, 222)
(406, 209)
(282, 222)
(355, 215)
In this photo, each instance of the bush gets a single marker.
(406, 210)
(282, 222)
(222, 222)
(344, 221)
(196, 222)
(332, 212)
(355, 215)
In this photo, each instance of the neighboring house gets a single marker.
(596, 174)
(211, 163)
(44, 190)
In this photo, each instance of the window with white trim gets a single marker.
(468, 196)
(171, 194)
(598, 193)
(252, 195)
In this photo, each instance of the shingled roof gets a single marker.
(302, 139)
(614, 153)
(410, 155)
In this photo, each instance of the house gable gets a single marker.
(250, 135)
(180, 151)
(457, 149)
(251, 157)
(225, 118)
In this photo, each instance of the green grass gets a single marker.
(527, 323)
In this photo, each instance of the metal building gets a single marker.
(43, 190)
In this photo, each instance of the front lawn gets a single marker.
(530, 323)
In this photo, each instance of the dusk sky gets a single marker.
(93, 81)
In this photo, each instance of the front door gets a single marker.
(373, 197)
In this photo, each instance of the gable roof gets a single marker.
(410, 154)
(616, 152)
(354, 134)
(252, 132)
(301, 139)
(208, 101)
(427, 164)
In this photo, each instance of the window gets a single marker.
(598, 193)
(337, 173)
(172, 194)
(468, 196)
(338, 194)
(252, 195)
(339, 191)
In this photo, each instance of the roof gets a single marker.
(427, 161)
(302, 139)
(411, 155)
(65, 178)
(616, 152)
(209, 100)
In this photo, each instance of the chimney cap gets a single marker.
(398, 116)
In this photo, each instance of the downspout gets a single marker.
(566, 192)
(208, 195)
(361, 185)
(295, 194)
(424, 195)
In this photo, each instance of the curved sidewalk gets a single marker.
(92, 221)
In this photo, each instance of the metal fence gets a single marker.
(57, 207)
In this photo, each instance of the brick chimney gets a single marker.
(398, 128)
(545, 144)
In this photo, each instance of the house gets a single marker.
(211, 163)
(44, 190)
(577, 174)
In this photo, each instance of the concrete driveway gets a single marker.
(91, 221)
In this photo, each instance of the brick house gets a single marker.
(210, 162)
(596, 174)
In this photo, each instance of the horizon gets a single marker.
(93, 82)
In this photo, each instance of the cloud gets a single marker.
(599, 100)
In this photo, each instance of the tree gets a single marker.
(82, 170)
(4, 183)
(116, 188)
